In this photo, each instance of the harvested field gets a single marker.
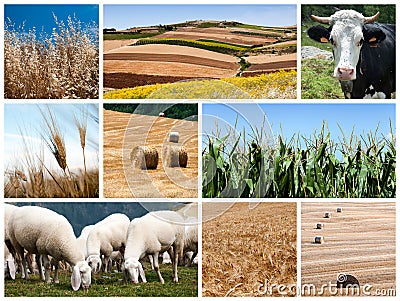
(220, 35)
(243, 248)
(268, 58)
(177, 50)
(166, 69)
(360, 241)
(122, 132)
(129, 80)
(186, 59)
(166, 60)
(273, 66)
(115, 44)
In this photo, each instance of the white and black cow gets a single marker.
(364, 53)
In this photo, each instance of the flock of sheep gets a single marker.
(50, 237)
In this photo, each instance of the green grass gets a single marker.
(109, 285)
(128, 36)
(250, 26)
(317, 80)
(211, 46)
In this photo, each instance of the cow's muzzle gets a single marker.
(346, 73)
(347, 87)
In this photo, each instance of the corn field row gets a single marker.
(358, 167)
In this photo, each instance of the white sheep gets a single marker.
(9, 264)
(86, 230)
(152, 234)
(191, 240)
(44, 232)
(103, 239)
(10, 260)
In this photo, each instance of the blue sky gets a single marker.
(41, 15)
(303, 118)
(126, 16)
(28, 118)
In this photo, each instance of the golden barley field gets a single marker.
(361, 241)
(248, 251)
(123, 132)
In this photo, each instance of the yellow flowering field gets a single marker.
(281, 84)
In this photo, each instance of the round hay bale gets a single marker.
(174, 137)
(327, 215)
(144, 157)
(339, 209)
(319, 239)
(320, 225)
(175, 156)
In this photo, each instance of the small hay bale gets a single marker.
(144, 157)
(174, 137)
(175, 156)
(327, 215)
(319, 239)
(320, 225)
(339, 209)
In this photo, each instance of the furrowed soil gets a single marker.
(122, 132)
(360, 241)
(216, 34)
(130, 80)
(245, 248)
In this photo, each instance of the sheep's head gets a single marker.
(81, 275)
(132, 269)
(94, 261)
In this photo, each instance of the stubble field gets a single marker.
(122, 132)
(359, 241)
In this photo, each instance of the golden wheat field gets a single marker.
(249, 251)
(361, 241)
(123, 132)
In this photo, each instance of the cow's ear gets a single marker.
(373, 35)
(319, 33)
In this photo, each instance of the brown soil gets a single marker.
(122, 132)
(244, 248)
(177, 50)
(221, 37)
(166, 69)
(360, 241)
(267, 58)
(273, 66)
(130, 80)
(115, 44)
(146, 57)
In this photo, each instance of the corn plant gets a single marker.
(361, 166)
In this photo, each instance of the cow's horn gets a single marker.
(368, 20)
(323, 20)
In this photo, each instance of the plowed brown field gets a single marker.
(244, 249)
(360, 241)
(122, 132)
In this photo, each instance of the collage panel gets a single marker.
(249, 249)
(348, 249)
(51, 151)
(51, 51)
(97, 249)
(299, 151)
(187, 51)
(351, 55)
(150, 150)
